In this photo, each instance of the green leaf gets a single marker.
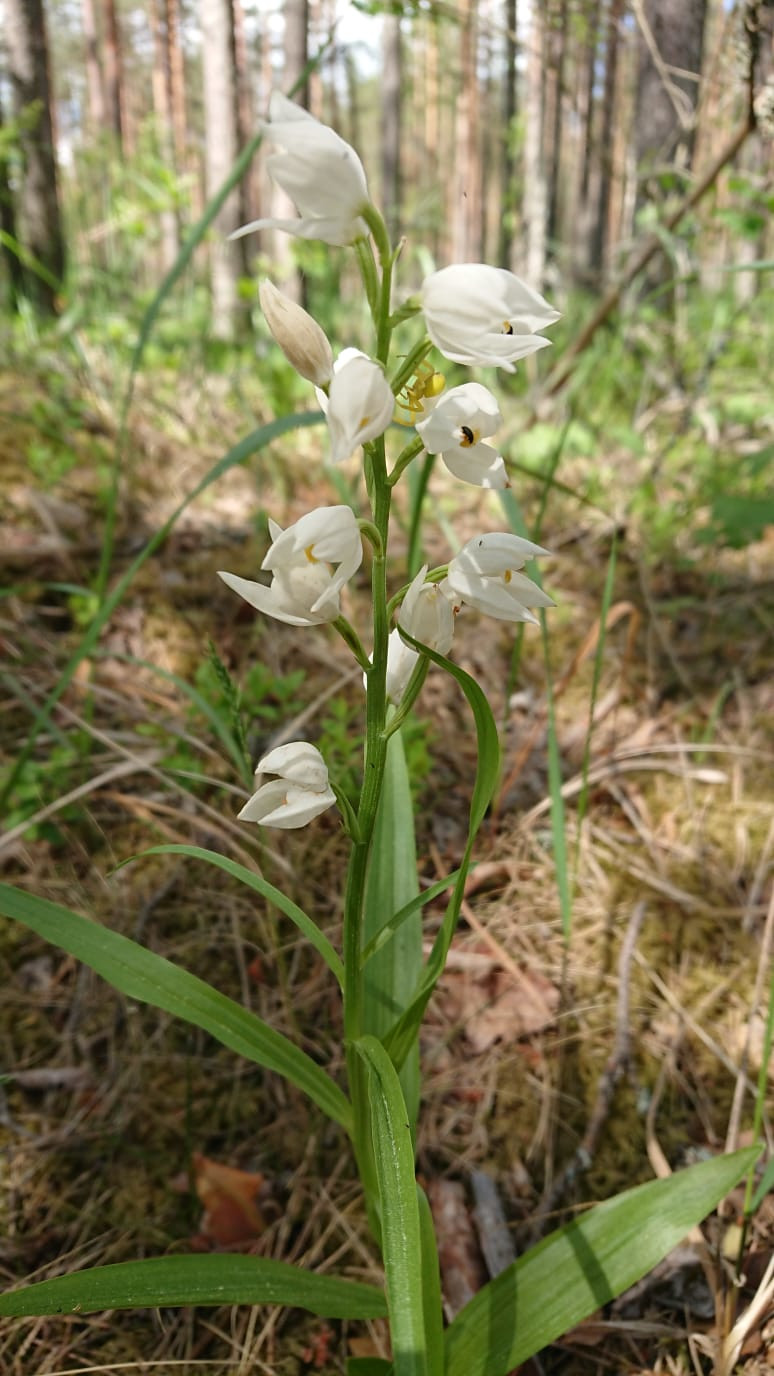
(432, 1300)
(391, 885)
(368, 1366)
(583, 1266)
(399, 1212)
(305, 925)
(403, 1034)
(150, 978)
(213, 1279)
(387, 932)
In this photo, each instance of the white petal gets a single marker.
(265, 600)
(331, 533)
(299, 761)
(284, 805)
(479, 314)
(480, 465)
(360, 406)
(498, 550)
(400, 666)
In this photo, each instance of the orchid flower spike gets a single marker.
(299, 793)
(305, 590)
(479, 314)
(485, 575)
(454, 428)
(321, 174)
(359, 405)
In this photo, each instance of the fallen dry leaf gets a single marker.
(496, 1006)
(231, 1214)
(461, 1264)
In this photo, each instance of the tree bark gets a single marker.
(94, 82)
(39, 215)
(466, 180)
(162, 108)
(8, 226)
(391, 104)
(508, 165)
(535, 189)
(113, 73)
(599, 244)
(671, 37)
(176, 68)
(220, 151)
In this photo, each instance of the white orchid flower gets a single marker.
(454, 428)
(304, 590)
(303, 342)
(427, 615)
(479, 314)
(360, 403)
(485, 575)
(300, 793)
(321, 174)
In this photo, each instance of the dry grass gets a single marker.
(641, 1061)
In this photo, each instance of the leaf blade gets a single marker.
(258, 884)
(399, 1211)
(143, 975)
(217, 1278)
(582, 1266)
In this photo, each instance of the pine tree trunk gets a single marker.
(162, 107)
(535, 189)
(391, 103)
(220, 148)
(296, 15)
(40, 225)
(113, 79)
(671, 38)
(599, 243)
(466, 180)
(176, 68)
(508, 167)
(8, 226)
(94, 83)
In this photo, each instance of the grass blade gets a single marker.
(143, 975)
(215, 1279)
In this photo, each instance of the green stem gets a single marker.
(352, 639)
(404, 458)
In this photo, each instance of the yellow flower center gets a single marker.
(310, 556)
(508, 575)
(507, 327)
(364, 422)
(469, 436)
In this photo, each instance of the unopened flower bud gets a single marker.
(302, 341)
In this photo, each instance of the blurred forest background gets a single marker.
(618, 155)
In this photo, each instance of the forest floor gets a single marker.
(555, 1073)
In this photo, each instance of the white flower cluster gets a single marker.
(474, 315)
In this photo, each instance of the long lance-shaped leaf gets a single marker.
(258, 439)
(583, 1266)
(215, 1279)
(399, 1211)
(392, 885)
(305, 925)
(403, 1034)
(143, 975)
